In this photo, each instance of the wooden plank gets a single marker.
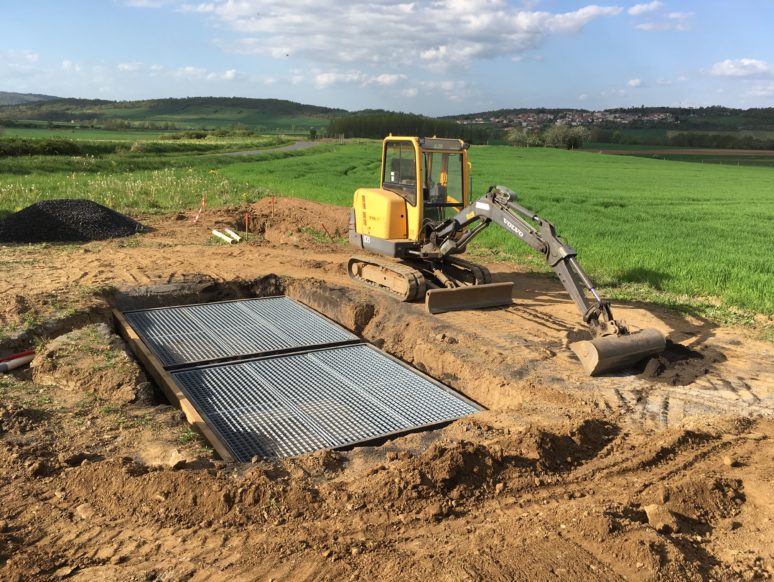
(168, 385)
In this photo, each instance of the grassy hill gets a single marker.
(7, 98)
(192, 112)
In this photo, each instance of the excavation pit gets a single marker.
(272, 378)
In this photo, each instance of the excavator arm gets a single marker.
(614, 345)
(499, 205)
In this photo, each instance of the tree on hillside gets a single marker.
(520, 137)
(516, 136)
(564, 136)
(577, 137)
(556, 136)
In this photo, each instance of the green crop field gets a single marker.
(692, 236)
(699, 231)
(81, 134)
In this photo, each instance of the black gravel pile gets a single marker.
(68, 220)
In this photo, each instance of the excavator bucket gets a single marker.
(472, 297)
(614, 352)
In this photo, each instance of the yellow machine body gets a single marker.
(380, 213)
(420, 179)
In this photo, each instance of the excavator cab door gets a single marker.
(444, 184)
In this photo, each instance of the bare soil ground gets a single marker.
(663, 473)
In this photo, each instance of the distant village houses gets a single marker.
(540, 120)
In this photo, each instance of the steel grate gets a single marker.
(272, 378)
(328, 398)
(190, 334)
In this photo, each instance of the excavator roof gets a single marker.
(432, 143)
(442, 143)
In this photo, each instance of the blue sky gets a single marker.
(435, 57)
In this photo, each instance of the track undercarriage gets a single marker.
(446, 284)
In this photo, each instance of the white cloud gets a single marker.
(638, 9)
(201, 8)
(457, 91)
(323, 80)
(410, 92)
(228, 75)
(634, 83)
(68, 65)
(765, 90)
(190, 73)
(147, 3)
(582, 97)
(741, 68)
(129, 67)
(19, 56)
(676, 21)
(328, 79)
(441, 32)
(385, 79)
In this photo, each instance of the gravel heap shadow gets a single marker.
(66, 220)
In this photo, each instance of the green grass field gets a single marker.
(697, 232)
(692, 236)
(82, 134)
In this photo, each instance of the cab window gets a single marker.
(443, 179)
(400, 170)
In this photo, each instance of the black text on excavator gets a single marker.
(422, 215)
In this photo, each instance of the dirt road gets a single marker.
(298, 145)
(659, 474)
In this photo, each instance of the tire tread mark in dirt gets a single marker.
(544, 319)
(683, 466)
(622, 401)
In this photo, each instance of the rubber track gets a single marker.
(481, 275)
(416, 280)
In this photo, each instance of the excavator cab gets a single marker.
(423, 180)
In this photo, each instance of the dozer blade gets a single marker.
(613, 352)
(472, 297)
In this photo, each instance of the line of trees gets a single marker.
(575, 137)
(556, 136)
(692, 139)
(379, 124)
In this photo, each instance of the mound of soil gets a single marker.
(677, 365)
(66, 220)
(92, 360)
(287, 220)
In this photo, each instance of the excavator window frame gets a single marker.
(404, 188)
(427, 167)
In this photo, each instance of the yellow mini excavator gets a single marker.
(422, 215)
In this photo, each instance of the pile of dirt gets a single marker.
(66, 220)
(678, 365)
(300, 222)
(92, 360)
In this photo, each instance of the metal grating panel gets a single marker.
(211, 331)
(292, 404)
